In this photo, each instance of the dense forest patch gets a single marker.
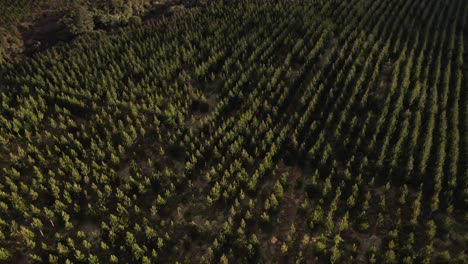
(243, 132)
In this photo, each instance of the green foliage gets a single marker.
(5, 255)
(322, 132)
(444, 257)
(12, 12)
(78, 20)
(134, 21)
(120, 13)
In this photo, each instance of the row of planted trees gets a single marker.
(317, 130)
